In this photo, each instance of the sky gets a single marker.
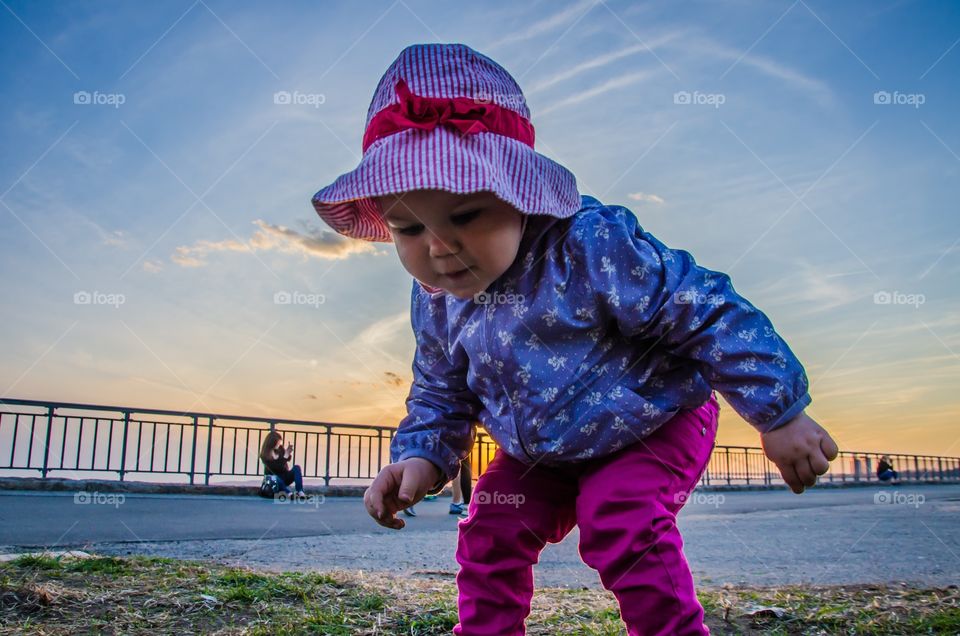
(155, 191)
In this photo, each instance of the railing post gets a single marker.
(916, 468)
(46, 444)
(379, 449)
(206, 476)
(123, 444)
(326, 473)
(193, 452)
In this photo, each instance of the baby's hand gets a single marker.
(801, 449)
(399, 486)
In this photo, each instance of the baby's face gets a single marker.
(459, 243)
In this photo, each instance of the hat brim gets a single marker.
(443, 159)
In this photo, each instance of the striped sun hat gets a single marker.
(445, 117)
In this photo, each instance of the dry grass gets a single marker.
(107, 595)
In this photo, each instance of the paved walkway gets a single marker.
(856, 535)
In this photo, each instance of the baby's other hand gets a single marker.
(399, 486)
(801, 449)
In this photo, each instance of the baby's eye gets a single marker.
(411, 230)
(465, 217)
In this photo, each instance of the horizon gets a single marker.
(162, 251)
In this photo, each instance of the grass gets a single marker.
(109, 595)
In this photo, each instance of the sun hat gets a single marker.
(445, 117)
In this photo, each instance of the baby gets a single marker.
(587, 349)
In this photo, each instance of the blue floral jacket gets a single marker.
(596, 335)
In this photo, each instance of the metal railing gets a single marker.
(62, 439)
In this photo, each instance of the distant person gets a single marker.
(462, 489)
(885, 471)
(276, 459)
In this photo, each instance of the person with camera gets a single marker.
(276, 461)
(885, 471)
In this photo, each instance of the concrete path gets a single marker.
(856, 535)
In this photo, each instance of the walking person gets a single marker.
(462, 489)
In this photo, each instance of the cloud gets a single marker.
(602, 61)
(116, 238)
(816, 289)
(312, 243)
(385, 332)
(711, 49)
(596, 91)
(546, 25)
(110, 238)
(152, 266)
(645, 197)
(393, 379)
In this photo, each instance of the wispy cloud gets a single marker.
(817, 289)
(645, 197)
(711, 49)
(610, 85)
(311, 244)
(545, 25)
(381, 338)
(601, 61)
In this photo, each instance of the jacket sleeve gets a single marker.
(441, 410)
(276, 465)
(662, 296)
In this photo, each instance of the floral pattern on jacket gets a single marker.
(596, 335)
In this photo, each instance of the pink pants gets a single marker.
(625, 505)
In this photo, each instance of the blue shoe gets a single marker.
(456, 509)
(410, 512)
(429, 497)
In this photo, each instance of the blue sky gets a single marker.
(182, 189)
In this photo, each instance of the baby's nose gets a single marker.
(443, 245)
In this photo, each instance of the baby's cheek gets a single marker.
(410, 260)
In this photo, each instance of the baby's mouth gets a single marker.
(458, 275)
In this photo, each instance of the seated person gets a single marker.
(275, 460)
(885, 471)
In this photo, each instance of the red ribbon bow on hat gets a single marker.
(467, 115)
